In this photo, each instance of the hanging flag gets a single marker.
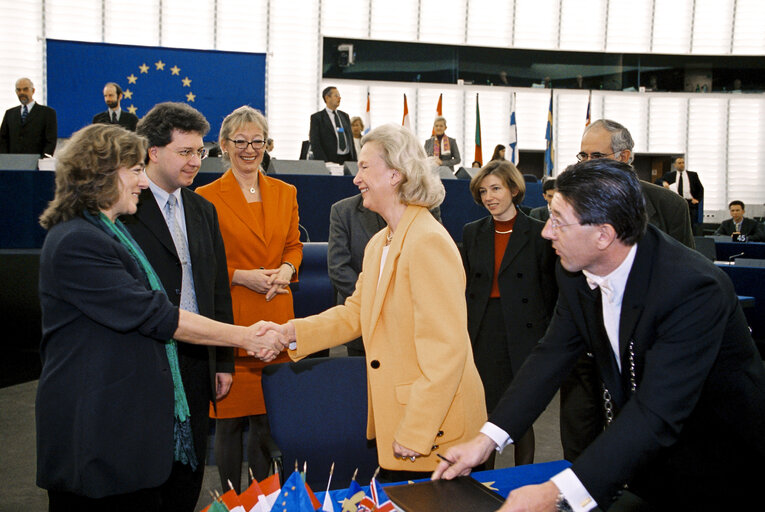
(478, 153)
(549, 155)
(405, 121)
(439, 110)
(294, 495)
(381, 500)
(588, 116)
(367, 118)
(353, 497)
(514, 156)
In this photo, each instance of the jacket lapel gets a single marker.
(484, 244)
(234, 199)
(518, 239)
(150, 215)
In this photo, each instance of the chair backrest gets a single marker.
(314, 292)
(317, 411)
(706, 246)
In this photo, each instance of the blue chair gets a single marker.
(317, 411)
(313, 293)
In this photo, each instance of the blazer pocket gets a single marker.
(453, 426)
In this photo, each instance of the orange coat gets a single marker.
(250, 244)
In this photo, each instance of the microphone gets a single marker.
(734, 256)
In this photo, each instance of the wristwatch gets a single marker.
(561, 504)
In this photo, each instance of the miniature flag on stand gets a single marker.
(367, 118)
(353, 496)
(588, 117)
(405, 121)
(514, 156)
(232, 501)
(294, 496)
(381, 500)
(328, 506)
(217, 506)
(478, 152)
(439, 110)
(549, 155)
(254, 500)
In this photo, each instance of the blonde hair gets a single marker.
(400, 149)
(242, 116)
(86, 171)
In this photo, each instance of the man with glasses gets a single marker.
(330, 132)
(681, 377)
(581, 405)
(30, 128)
(178, 231)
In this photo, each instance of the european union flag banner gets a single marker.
(214, 82)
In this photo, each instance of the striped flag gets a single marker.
(514, 156)
(439, 110)
(588, 117)
(381, 500)
(549, 155)
(367, 118)
(405, 121)
(478, 153)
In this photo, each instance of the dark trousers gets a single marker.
(144, 500)
(582, 416)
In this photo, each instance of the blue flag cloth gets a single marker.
(213, 82)
(294, 496)
(549, 155)
(352, 497)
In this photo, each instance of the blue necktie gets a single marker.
(24, 114)
(188, 294)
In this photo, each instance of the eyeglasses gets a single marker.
(188, 154)
(593, 156)
(242, 144)
(555, 223)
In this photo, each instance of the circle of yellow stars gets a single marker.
(160, 66)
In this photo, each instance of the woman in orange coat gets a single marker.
(259, 223)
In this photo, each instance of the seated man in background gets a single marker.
(543, 212)
(740, 225)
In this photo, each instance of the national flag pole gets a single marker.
(327, 505)
(478, 152)
(514, 153)
(588, 117)
(439, 111)
(367, 118)
(405, 121)
(549, 154)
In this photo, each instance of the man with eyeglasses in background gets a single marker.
(178, 231)
(330, 132)
(581, 404)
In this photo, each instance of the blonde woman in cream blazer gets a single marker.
(425, 393)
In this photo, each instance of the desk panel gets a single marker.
(751, 250)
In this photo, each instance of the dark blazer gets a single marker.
(697, 189)
(126, 119)
(448, 162)
(211, 284)
(669, 212)
(541, 213)
(697, 415)
(104, 407)
(526, 281)
(323, 139)
(755, 231)
(36, 137)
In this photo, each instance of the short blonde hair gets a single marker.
(86, 171)
(400, 149)
(505, 171)
(238, 118)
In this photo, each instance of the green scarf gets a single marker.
(182, 437)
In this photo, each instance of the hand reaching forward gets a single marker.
(464, 457)
(263, 342)
(287, 331)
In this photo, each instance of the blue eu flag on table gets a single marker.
(214, 82)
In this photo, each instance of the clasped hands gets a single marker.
(265, 340)
(268, 281)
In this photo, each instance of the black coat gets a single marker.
(697, 189)
(37, 136)
(323, 138)
(126, 120)
(526, 281)
(692, 430)
(755, 231)
(104, 408)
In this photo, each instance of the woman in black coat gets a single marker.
(111, 410)
(511, 290)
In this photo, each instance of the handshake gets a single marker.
(265, 340)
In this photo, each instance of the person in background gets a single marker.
(499, 153)
(688, 186)
(357, 129)
(740, 225)
(330, 131)
(542, 213)
(441, 146)
(511, 288)
(683, 385)
(31, 128)
(112, 415)
(114, 114)
(266, 163)
(259, 222)
(425, 393)
(476, 164)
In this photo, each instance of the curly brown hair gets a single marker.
(86, 171)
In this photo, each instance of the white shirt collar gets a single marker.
(161, 195)
(613, 284)
(117, 111)
(29, 105)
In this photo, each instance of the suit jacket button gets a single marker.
(478, 274)
(375, 364)
(435, 447)
(440, 433)
(525, 300)
(177, 291)
(519, 275)
(528, 325)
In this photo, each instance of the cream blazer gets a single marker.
(423, 387)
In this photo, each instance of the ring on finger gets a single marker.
(412, 458)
